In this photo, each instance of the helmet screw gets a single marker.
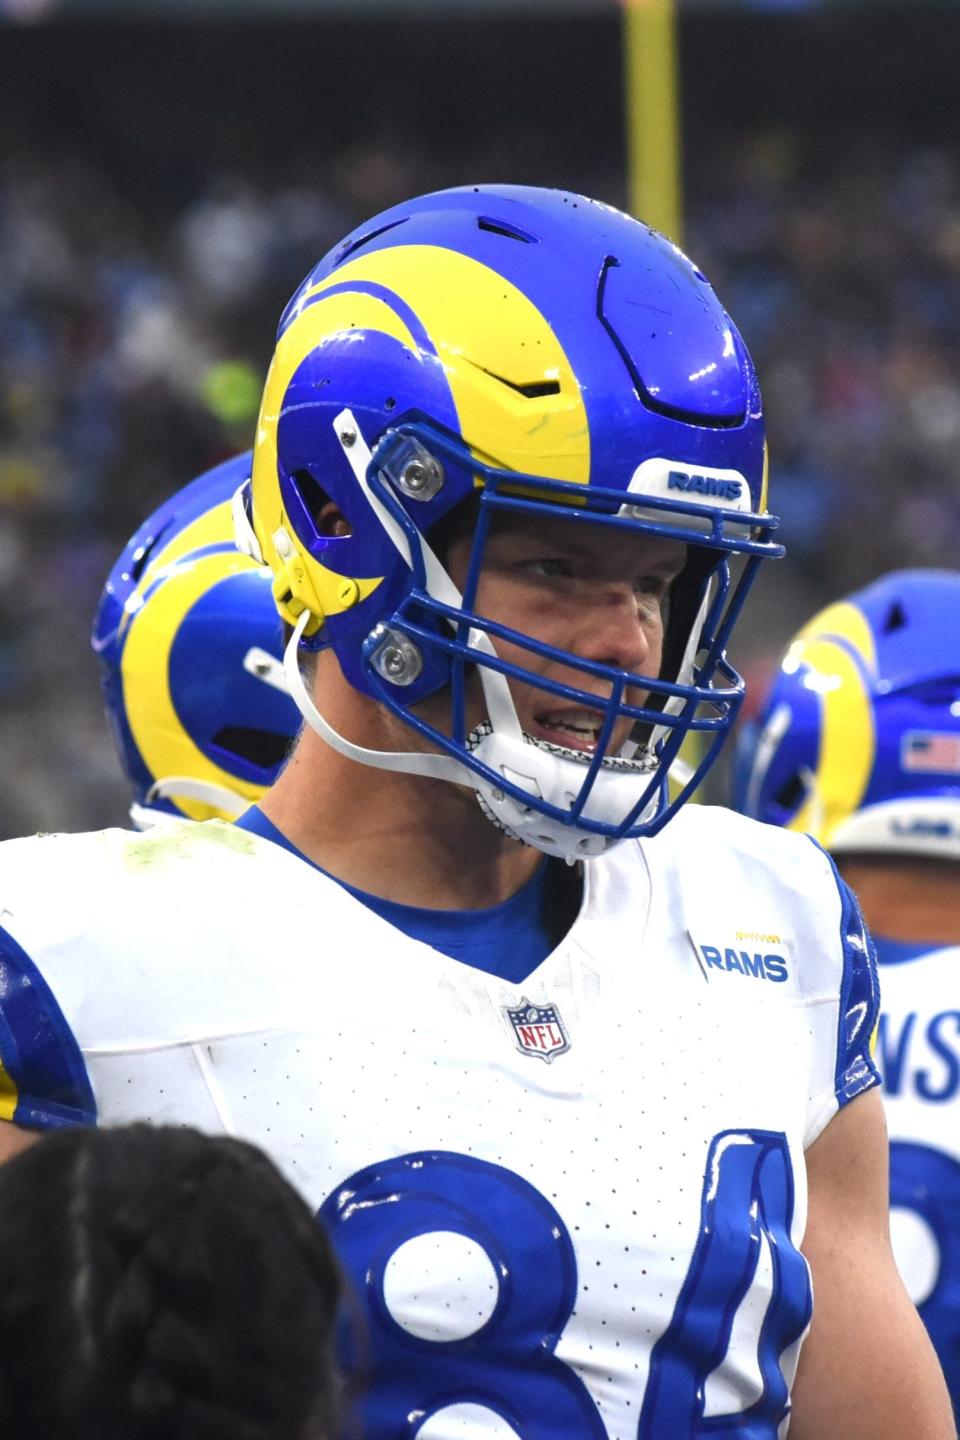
(414, 476)
(348, 592)
(348, 437)
(396, 658)
(421, 476)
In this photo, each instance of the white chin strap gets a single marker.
(675, 703)
(183, 787)
(411, 762)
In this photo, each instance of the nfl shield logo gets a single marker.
(538, 1030)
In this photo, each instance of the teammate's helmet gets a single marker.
(542, 353)
(858, 741)
(189, 644)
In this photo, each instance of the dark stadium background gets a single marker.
(165, 182)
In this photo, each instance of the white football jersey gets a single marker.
(572, 1206)
(918, 1055)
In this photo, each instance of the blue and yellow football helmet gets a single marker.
(542, 353)
(189, 643)
(858, 741)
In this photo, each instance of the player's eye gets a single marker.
(653, 595)
(550, 566)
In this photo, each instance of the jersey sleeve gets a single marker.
(43, 1078)
(854, 994)
(44, 1082)
(859, 1003)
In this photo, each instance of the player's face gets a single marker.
(592, 590)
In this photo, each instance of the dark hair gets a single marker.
(156, 1282)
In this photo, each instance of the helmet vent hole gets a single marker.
(791, 793)
(895, 618)
(323, 511)
(504, 228)
(143, 554)
(140, 559)
(263, 748)
(354, 245)
(533, 390)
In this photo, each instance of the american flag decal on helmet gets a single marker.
(538, 1029)
(931, 751)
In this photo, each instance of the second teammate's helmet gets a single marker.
(189, 643)
(858, 742)
(536, 351)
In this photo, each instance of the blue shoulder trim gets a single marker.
(859, 998)
(43, 1080)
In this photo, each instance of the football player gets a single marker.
(858, 743)
(570, 1072)
(190, 646)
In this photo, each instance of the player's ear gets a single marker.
(332, 521)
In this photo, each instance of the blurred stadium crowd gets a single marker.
(134, 352)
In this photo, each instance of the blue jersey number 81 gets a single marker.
(508, 1365)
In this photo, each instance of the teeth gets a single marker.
(579, 722)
